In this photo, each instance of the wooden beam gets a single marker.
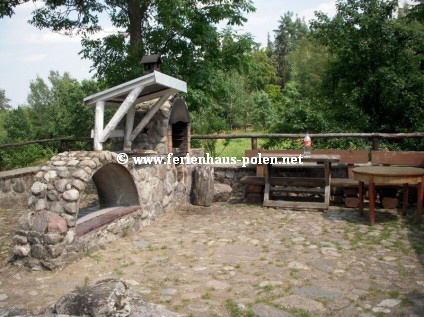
(129, 125)
(113, 134)
(312, 135)
(148, 116)
(120, 89)
(98, 126)
(115, 102)
(122, 110)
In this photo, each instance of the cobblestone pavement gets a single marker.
(240, 260)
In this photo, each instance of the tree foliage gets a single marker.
(375, 75)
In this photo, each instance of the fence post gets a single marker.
(375, 144)
(254, 143)
(64, 146)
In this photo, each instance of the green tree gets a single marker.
(183, 31)
(308, 65)
(262, 70)
(4, 101)
(374, 81)
(290, 31)
(57, 108)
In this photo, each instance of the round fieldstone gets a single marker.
(71, 195)
(52, 195)
(73, 162)
(21, 250)
(50, 175)
(52, 238)
(70, 236)
(78, 184)
(56, 208)
(38, 251)
(59, 163)
(60, 185)
(82, 175)
(38, 187)
(71, 208)
(26, 221)
(18, 239)
(57, 224)
(89, 163)
(64, 174)
(40, 204)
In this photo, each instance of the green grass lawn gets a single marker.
(235, 147)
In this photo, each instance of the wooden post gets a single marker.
(129, 125)
(420, 201)
(371, 190)
(64, 146)
(188, 137)
(375, 144)
(254, 143)
(120, 113)
(98, 126)
(361, 198)
(327, 175)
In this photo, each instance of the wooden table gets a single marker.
(389, 175)
(326, 160)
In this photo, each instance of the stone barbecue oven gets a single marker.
(150, 118)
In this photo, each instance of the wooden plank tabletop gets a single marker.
(389, 171)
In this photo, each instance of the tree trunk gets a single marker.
(203, 185)
(136, 15)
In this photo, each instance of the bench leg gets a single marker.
(361, 197)
(372, 200)
(405, 199)
(420, 201)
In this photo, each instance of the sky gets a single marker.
(26, 51)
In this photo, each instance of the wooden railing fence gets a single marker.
(375, 138)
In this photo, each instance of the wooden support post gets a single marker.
(120, 113)
(375, 144)
(254, 143)
(64, 146)
(129, 125)
(361, 198)
(405, 199)
(98, 126)
(420, 201)
(188, 137)
(327, 175)
(371, 190)
(146, 119)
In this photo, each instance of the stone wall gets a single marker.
(15, 186)
(46, 236)
(231, 175)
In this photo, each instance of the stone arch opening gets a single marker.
(179, 128)
(117, 195)
(115, 186)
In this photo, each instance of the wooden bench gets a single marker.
(388, 194)
(348, 158)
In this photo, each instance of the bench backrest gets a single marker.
(410, 158)
(349, 157)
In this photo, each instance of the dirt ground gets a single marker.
(241, 260)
